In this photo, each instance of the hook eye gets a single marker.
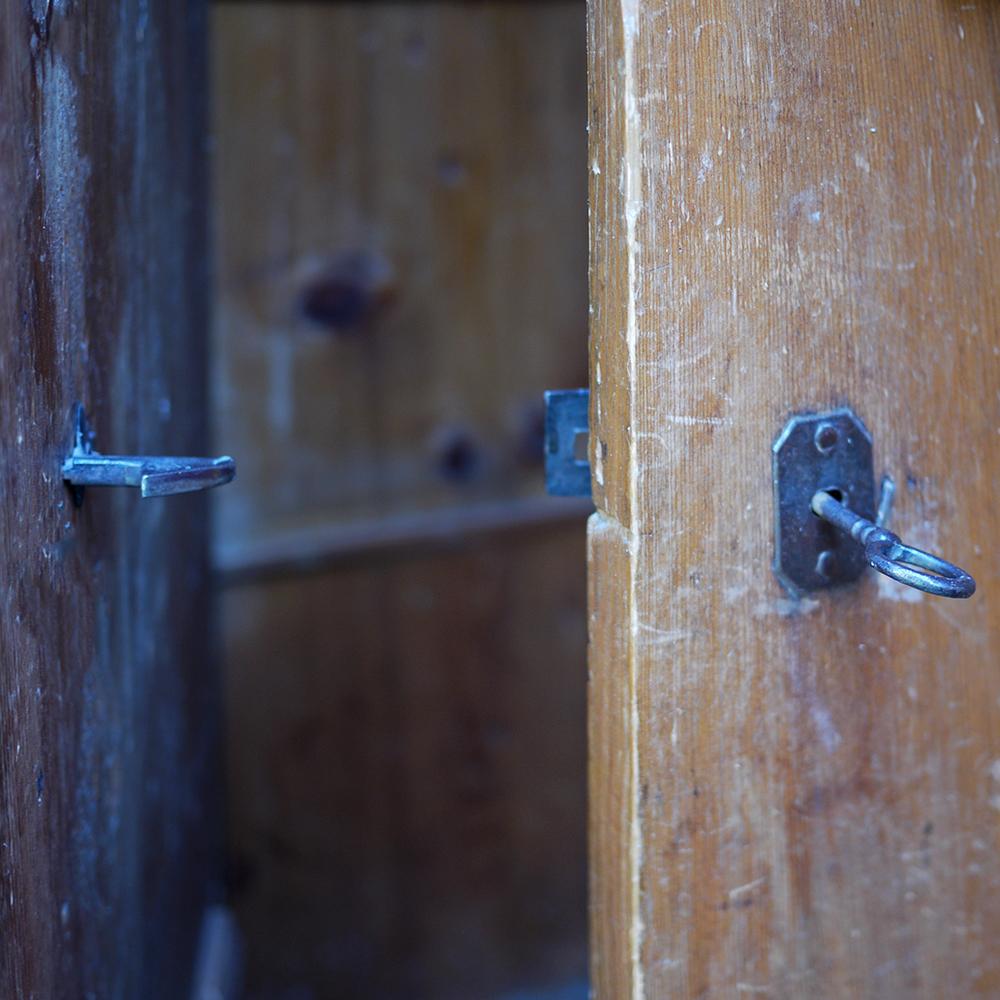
(924, 571)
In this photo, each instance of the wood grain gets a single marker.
(401, 256)
(108, 835)
(406, 754)
(401, 269)
(793, 207)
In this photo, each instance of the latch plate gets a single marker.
(820, 451)
(567, 419)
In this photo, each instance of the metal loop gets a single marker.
(888, 554)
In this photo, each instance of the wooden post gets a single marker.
(109, 829)
(793, 207)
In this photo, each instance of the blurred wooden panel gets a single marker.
(401, 255)
(400, 199)
(407, 746)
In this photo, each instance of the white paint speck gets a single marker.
(664, 636)
(786, 607)
(827, 731)
(686, 420)
(706, 167)
(995, 777)
(742, 890)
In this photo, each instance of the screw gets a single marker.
(826, 438)
(826, 564)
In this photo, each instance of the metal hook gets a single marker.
(154, 475)
(888, 553)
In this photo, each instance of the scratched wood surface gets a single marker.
(401, 258)
(107, 836)
(793, 207)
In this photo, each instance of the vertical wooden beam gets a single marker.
(613, 731)
(108, 831)
(793, 207)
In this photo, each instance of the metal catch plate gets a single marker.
(824, 451)
(567, 419)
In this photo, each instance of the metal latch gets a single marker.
(153, 475)
(567, 433)
(827, 527)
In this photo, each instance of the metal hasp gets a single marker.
(826, 526)
(154, 475)
(567, 421)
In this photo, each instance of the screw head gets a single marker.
(826, 438)
(826, 564)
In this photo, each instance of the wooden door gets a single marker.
(794, 206)
(108, 835)
(401, 271)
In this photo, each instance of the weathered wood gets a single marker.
(106, 827)
(612, 746)
(401, 256)
(793, 206)
(406, 759)
(401, 265)
(323, 547)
